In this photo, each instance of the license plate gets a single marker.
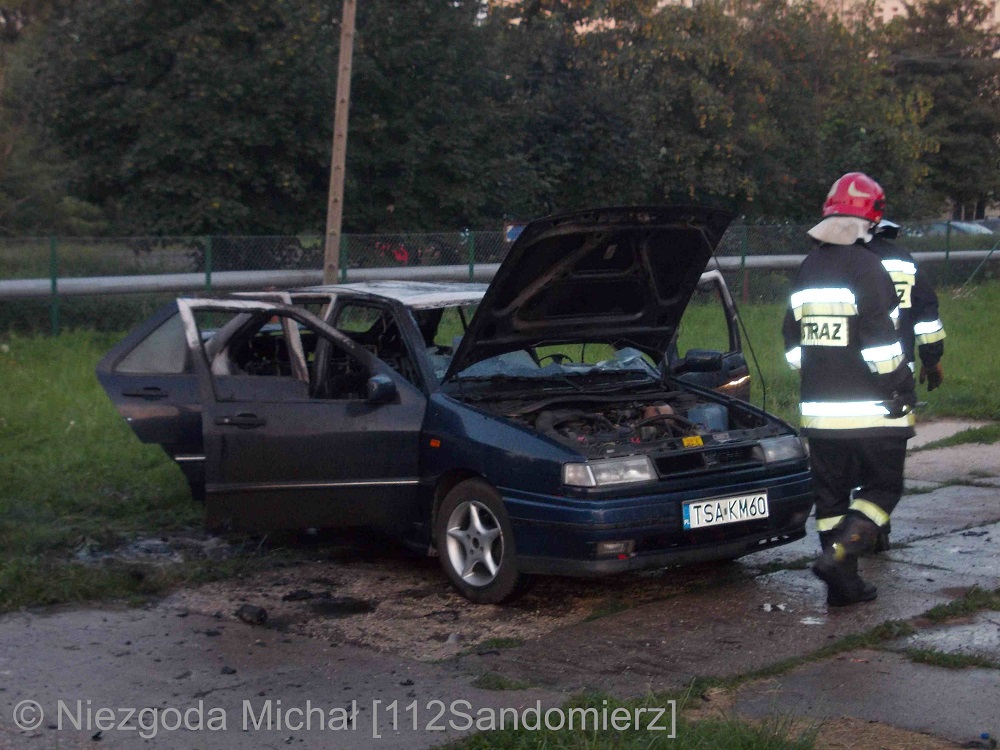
(722, 510)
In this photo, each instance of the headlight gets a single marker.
(609, 472)
(777, 449)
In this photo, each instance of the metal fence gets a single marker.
(110, 283)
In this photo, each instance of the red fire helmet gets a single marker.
(856, 194)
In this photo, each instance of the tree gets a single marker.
(427, 142)
(763, 103)
(215, 117)
(34, 175)
(945, 49)
(195, 116)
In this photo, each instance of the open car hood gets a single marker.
(621, 276)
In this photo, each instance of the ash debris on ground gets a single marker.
(157, 550)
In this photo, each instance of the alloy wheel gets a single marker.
(475, 543)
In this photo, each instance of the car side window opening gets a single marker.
(704, 324)
(257, 360)
(163, 352)
(451, 325)
(442, 329)
(377, 330)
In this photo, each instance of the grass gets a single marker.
(976, 600)
(607, 608)
(945, 660)
(495, 681)
(45, 580)
(72, 473)
(983, 435)
(499, 644)
(714, 734)
(970, 317)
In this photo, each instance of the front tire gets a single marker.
(475, 544)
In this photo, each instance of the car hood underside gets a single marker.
(620, 275)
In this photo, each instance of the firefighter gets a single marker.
(920, 328)
(857, 391)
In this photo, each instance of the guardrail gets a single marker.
(226, 281)
(54, 289)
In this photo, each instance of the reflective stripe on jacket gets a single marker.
(920, 328)
(840, 332)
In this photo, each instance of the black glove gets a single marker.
(901, 404)
(933, 375)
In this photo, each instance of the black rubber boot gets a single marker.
(882, 543)
(837, 567)
(826, 538)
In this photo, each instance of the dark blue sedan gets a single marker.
(543, 424)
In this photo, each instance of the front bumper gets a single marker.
(559, 535)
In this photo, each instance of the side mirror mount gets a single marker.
(381, 389)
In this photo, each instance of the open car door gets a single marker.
(709, 335)
(338, 448)
(150, 379)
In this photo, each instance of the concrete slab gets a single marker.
(723, 631)
(155, 658)
(972, 552)
(700, 623)
(959, 705)
(944, 510)
(928, 432)
(978, 637)
(959, 463)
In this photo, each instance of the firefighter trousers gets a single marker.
(870, 467)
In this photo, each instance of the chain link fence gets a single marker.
(55, 260)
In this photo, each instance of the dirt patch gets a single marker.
(848, 733)
(404, 605)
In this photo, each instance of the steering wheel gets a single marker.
(558, 358)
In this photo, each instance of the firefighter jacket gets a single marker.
(920, 327)
(840, 331)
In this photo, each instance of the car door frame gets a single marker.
(408, 330)
(402, 508)
(733, 378)
(160, 408)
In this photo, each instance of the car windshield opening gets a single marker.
(563, 361)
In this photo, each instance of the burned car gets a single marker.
(542, 424)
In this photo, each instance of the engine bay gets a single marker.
(599, 425)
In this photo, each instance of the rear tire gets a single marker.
(475, 544)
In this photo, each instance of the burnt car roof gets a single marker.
(420, 295)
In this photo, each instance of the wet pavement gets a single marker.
(723, 621)
(887, 688)
(252, 679)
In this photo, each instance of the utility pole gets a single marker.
(335, 202)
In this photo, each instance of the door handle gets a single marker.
(245, 421)
(150, 393)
